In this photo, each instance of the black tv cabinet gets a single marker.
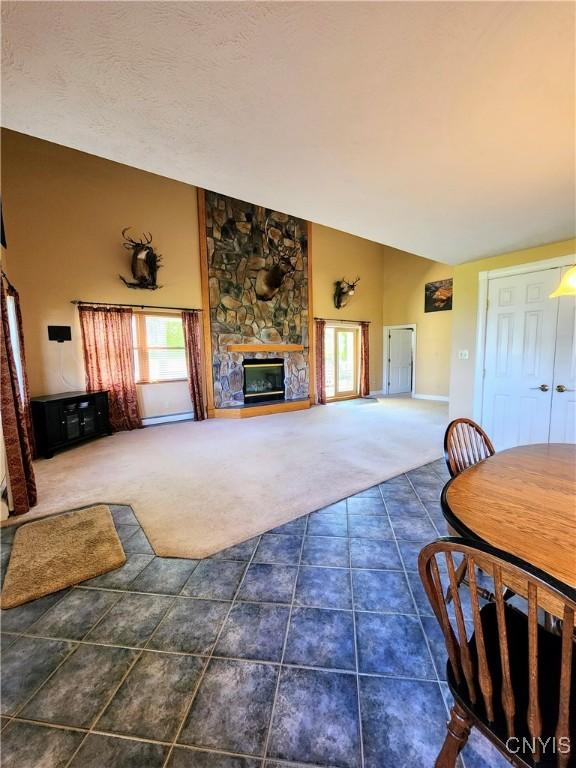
(63, 420)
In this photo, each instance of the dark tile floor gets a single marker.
(313, 644)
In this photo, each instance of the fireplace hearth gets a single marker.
(263, 380)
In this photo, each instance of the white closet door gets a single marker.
(519, 358)
(563, 417)
(400, 361)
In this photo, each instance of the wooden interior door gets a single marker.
(341, 362)
(563, 415)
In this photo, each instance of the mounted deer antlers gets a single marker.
(343, 291)
(145, 262)
(269, 281)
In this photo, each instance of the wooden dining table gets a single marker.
(523, 501)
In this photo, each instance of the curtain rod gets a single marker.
(341, 320)
(134, 306)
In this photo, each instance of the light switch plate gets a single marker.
(462, 354)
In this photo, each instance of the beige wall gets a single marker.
(465, 315)
(405, 276)
(337, 255)
(64, 211)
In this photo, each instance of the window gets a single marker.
(159, 352)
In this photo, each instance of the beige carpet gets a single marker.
(199, 487)
(49, 555)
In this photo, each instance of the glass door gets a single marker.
(341, 362)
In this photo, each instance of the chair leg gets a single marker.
(456, 738)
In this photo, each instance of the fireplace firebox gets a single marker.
(263, 380)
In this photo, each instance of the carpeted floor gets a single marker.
(197, 488)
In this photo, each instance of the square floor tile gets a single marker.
(184, 757)
(138, 543)
(215, 579)
(20, 618)
(131, 621)
(123, 514)
(153, 699)
(409, 507)
(190, 626)
(297, 527)
(398, 491)
(316, 719)
(392, 644)
(320, 524)
(373, 492)
(279, 548)
(374, 553)
(326, 550)
(437, 645)
(409, 551)
(420, 597)
(73, 616)
(367, 506)
(25, 665)
(125, 532)
(268, 583)
(243, 551)
(231, 711)
(403, 722)
(121, 577)
(364, 526)
(164, 576)
(413, 528)
(25, 745)
(254, 631)
(323, 587)
(338, 508)
(109, 752)
(321, 638)
(382, 591)
(79, 689)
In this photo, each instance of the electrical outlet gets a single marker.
(463, 354)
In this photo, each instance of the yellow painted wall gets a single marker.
(465, 314)
(64, 211)
(405, 276)
(337, 255)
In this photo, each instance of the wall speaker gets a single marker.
(59, 333)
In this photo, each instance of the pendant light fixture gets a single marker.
(567, 285)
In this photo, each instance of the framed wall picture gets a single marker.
(438, 296)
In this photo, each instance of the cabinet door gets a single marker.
(563, 418)
(101, 405)
(54, 416)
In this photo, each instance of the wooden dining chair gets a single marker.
(465, 444)
(511, 678)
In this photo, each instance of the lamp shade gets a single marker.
(567, 285)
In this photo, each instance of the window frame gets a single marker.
(141, 347)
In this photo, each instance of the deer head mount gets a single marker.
(269, 279)
(343, 291)
(145, 262)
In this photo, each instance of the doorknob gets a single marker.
(542, 387)
(562, 388)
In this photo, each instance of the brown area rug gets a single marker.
(58, 552)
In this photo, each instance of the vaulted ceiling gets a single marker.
(441, 128)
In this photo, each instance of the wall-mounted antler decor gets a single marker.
(286, 250)
(342, 292)
(145, 262)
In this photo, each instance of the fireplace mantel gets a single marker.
(265, 348)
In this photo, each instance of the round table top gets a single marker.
(523, 501)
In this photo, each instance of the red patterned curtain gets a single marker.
(364, 359)
(193, 340)
(319, 327)
(16, 424)
(109, 361)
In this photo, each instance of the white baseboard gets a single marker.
(151, 421)
(439, 398)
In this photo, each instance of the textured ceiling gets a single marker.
(444, 129)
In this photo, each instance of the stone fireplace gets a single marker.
(257, 286)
